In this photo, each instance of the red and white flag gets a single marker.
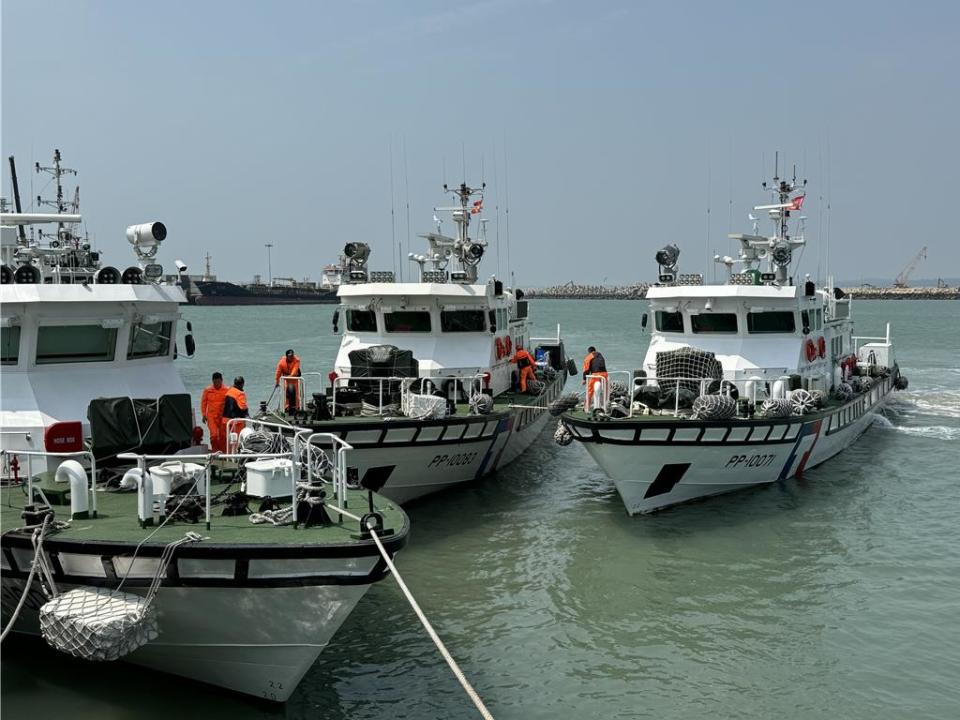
(797, 202)
(477, 207)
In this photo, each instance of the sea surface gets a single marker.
(837, 596)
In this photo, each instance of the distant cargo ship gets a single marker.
(206, 289)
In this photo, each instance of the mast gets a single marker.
(58, 171)
(16, 198)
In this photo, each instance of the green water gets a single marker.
(833, 597)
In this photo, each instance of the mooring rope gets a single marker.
(458, 673)
(38, 549)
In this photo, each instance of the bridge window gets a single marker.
(361, 321)
(9, 345)
(407, 321)
(714, 322)
(780, 321)
(149, 340)
(75, 343)
(462, 321)
(669, 321)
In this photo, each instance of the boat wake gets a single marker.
(935, 432)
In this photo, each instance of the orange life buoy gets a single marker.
(508, 346)
(811, 351)
(821, 346)
(499, 348)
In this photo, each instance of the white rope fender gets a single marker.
(458, 673)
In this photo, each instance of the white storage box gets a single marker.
(273, 477)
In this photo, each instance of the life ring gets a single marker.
(499, 348)
(821, 346)
(811, 350)
(507, 346)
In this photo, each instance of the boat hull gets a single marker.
(257, 641)
(249, 618)
(414, 459)
(659, 464)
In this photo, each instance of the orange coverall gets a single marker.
(525, 362)
(588, 370)
(211, 409)
(291, 389)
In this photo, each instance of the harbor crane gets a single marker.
(904, 276)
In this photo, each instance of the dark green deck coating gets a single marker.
(116, 521)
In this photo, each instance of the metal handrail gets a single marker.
(44, 453)
(406, 383)
(725, 384)
(340, 447)
(300, 380)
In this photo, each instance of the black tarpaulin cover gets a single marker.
(382, 361)
(124, 424)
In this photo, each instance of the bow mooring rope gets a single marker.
(458, 673)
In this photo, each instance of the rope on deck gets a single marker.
(458, 673)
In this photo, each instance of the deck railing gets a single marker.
(467, 384)
(602, 388)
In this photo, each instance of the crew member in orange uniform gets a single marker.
(211, 409)
(593, 364)
(235, 406)
(524, 362)
(289, 366)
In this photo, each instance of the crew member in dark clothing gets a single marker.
(235, 406)
(594, 365)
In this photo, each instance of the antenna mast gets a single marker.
(58, 171)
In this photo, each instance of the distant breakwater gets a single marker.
(572, 291)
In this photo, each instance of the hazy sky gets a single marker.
(617, 126)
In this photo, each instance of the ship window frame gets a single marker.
(10, 345)
(109, 336)
(388, 315)
(751, 323)
(695, 319)
(658, 317)
(446, 316)
(162, 329)
(350, 314)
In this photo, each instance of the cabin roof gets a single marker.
(147, 292)
(384, 290)
(679, 292)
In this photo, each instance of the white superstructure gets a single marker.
(73, 329)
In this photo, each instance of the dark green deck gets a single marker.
(116, 521)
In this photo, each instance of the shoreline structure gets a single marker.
(573, 291)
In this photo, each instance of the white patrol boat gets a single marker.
(426, 384)
(744, 383)
(101, 558)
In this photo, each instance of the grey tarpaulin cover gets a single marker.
(122, 424)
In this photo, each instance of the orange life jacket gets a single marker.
(287, 369)
(235, 404)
